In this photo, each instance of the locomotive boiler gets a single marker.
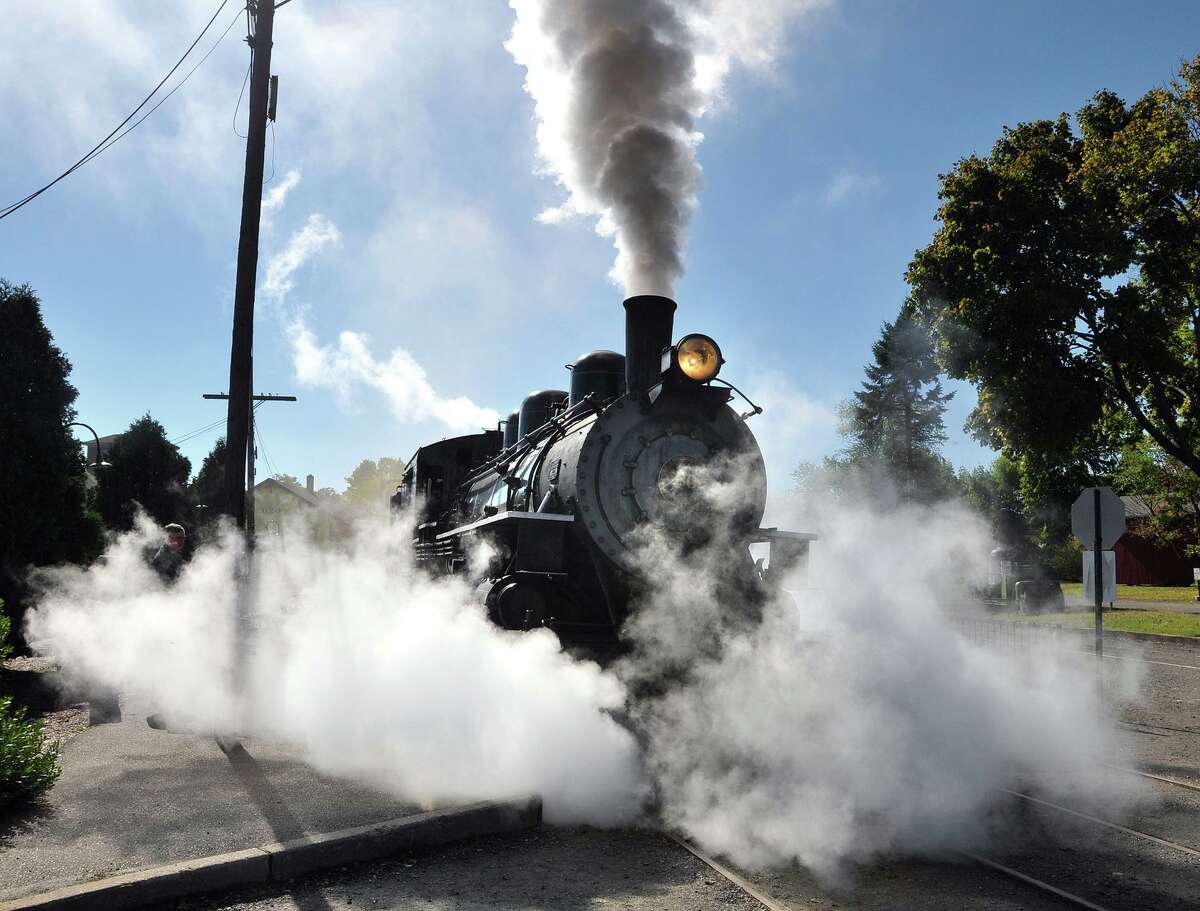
(552, 514)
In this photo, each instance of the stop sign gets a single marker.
(1111, 518)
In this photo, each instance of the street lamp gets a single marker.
(99, 463)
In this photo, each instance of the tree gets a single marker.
(1064, 280)
(44, 517)
(1169, 492)
(371, 484)
(147, 470)
(893, 426)
(208, 487)
(895, 420)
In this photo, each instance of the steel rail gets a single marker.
(1042, 885)
(1151, 775)
(1161, 727)
(1117, 827)
(770, 903)
(758, 895)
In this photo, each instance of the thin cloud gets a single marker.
(275, 198)
(402, 381)
(318, 232)
(847, 185)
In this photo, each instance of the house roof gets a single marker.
(1136, 507)
(298, 492)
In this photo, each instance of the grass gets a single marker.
(1165, 593)
(1170, 623)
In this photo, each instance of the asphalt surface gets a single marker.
(551, 868)
(131, 797)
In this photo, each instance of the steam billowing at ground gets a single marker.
(618, 88)
(375, 671)
(851, 721)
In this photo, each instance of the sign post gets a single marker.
(1098, 517)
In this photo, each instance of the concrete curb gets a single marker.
(283, 860)
(1119, 634)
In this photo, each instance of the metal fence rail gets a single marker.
(1015, 635)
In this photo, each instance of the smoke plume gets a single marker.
(618, 88)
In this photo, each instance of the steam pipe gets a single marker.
(649, 320)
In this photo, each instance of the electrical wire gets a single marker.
(262, 445)
(272, 174)
(200, 431)
(101, 145)
(238, 106)
(133, 126)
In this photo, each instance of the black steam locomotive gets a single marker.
(549, 512)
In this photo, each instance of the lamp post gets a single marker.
(99, 463)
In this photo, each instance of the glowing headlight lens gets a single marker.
(698, 357)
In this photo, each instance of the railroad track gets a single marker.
(1046, 888)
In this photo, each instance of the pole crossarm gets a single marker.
(261, 397)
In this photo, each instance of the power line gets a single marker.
(190, 435)
(99, 147)
(178, 86)
(238, 106)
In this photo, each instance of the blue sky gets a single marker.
(409, 218)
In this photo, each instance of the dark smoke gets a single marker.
(626, 142)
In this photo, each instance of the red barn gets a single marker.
(1141, 561)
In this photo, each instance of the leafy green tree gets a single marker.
(44, 516)
(147, 470)
(372, 483)
(1063, 280)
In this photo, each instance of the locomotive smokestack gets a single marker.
(649, 320)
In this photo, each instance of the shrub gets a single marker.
(28, 765)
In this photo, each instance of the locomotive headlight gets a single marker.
(698, 357)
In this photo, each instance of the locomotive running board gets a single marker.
(511, 517)
(537, 538)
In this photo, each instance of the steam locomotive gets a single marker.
(549, 514)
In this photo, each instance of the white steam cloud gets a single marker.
(831, 726)
(854, 721)
(350, 363)
(373, 669)
(617, 90)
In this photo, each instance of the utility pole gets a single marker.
(241, 366)
(251, 452)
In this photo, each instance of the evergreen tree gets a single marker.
(147, 470)
(44, 517)
(208, 487)
(895, 421)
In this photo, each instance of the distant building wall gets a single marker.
(1142, 562)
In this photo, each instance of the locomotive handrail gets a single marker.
(749, 414)
(528, 441)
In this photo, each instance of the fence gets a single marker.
(1019, 636)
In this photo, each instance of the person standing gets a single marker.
(168, 559)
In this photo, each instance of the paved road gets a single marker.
(131, 797)
(576, 869)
